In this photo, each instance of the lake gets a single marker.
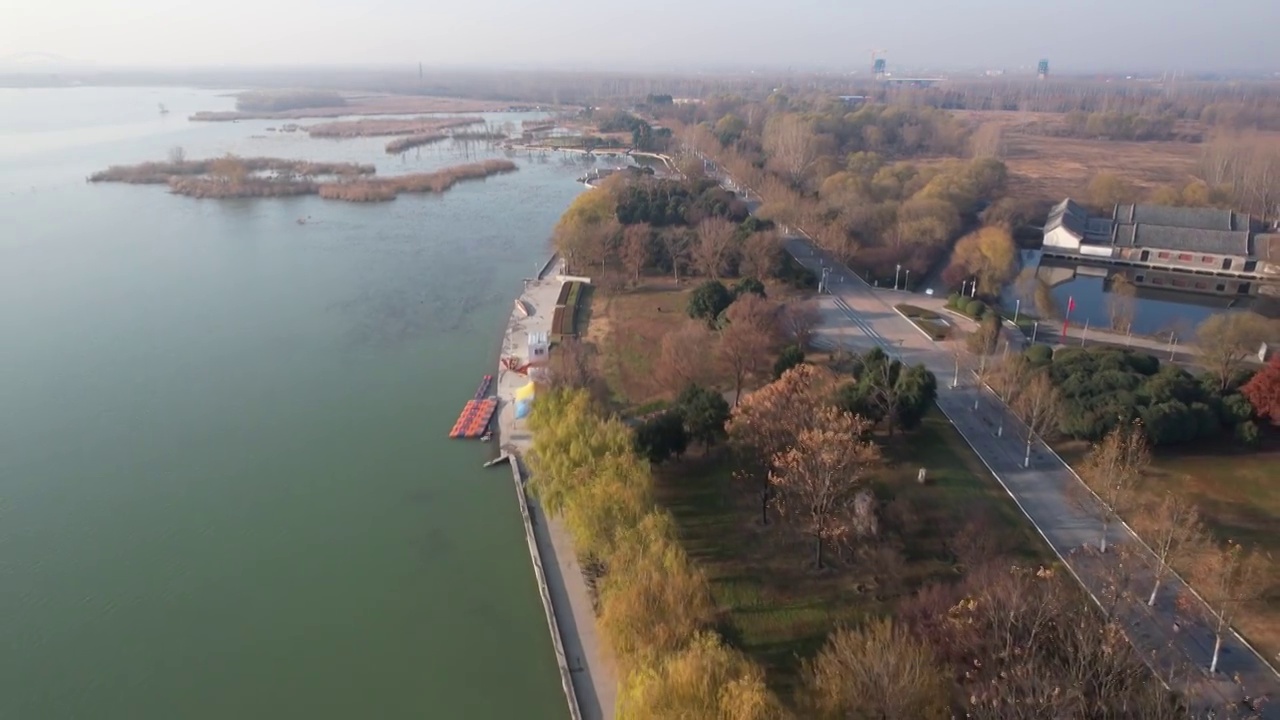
(225, 485)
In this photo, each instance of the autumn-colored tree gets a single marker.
(878, 670)
(229, 169)
(1263, 390)
(715, 242)
(1227, 578)
(1008, 378)
(571, 365)
(817, 481)
(579, 236)
(748, 337)
(705, 680)
(684, 359)
(988, 254)
(637, 249)
(1174, 532)
(1039, 406)
(766, 422)
(1114, 470)
(1224, 341)
(1108, 189)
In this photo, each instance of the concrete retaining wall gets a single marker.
(566, 678)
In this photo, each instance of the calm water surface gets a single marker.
(225, 488)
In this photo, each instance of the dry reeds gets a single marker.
(378, 127)
(158, 173)
(382, 189)
(400, 145)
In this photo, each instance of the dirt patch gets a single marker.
(627, 328)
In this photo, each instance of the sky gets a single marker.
(1080, 35)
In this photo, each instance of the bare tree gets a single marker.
(747, 339)
(676, 243)
(1226, 339)
(684, 359)
(798, 319)
(761, 255)
(1122, 304)
(791, 144)
(571, 365)
(1227, 578)
(1114, 470)
(876, 671)
(1039, 406)
(715, 240)
(637, 249)
(1174, 532)
(177, 155)
(817, 481)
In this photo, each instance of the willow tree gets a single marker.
(581, 234)
(875, 671)
(705, 680)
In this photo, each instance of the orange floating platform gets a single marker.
(475, 418)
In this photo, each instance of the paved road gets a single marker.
(1177, 645)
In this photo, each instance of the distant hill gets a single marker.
(40, 62)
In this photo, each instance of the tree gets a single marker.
(1226, 339)
(706, 679)
(1122, 304)
(817, 481)
(1263, 390)
(177, 155)
(766, 422)
(705, 413)
(761, 255)
(676, 244)
(1173, 531)
(709, 300)
(791, 145)
(684, 358)
(1107, 189)
(790, 357)
(1114, 470)
(988, 254)
(229, 169)
(878, 670)
(749, 285)
(891, 392)
(571, 365)
(747, 338)
(637, 249)
(661, 436)
(579, 236)
(1039, 406)
(798, 319)
(1227, 578)
(1008, 379)
(715, 240)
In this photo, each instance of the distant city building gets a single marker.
(852, 100)
(1042, 70)
(689, 101)
(1200, 241)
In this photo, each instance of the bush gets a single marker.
(956, 301)
(1235, 409)
(1039, 354)
(1247, 434)
(709, 300)
(975, 309)
(748, 285)
(791, 356)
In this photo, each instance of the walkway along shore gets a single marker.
(587, 673)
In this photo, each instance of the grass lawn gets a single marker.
(933, 324)
(1238, 494)
(627, 328)
(774, 604)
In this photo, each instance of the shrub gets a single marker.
(975, 309)
(1039, 354)
(748, 285)
(1247, 434)
(709, 300)
(955, 301)
(791, 356)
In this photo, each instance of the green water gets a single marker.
(225, 488)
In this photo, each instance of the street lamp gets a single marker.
(1035, 328)
(906, 280)
(897, 270)
(1017, 308)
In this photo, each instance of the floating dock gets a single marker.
(475, 418)
(483, 390)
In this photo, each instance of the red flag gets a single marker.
(1071, 305)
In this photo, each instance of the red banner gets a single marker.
(1071, 305)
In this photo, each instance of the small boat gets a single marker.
(487, 436)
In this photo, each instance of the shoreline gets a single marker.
(587, 673)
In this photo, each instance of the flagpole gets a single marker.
(1071, 305)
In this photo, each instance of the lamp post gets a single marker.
(897, 270)
(1035, 328)
(1017, 308)
(906, 280)
(955, 381)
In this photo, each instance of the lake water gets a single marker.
(225, 486)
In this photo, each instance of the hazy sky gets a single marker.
(601, 34)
